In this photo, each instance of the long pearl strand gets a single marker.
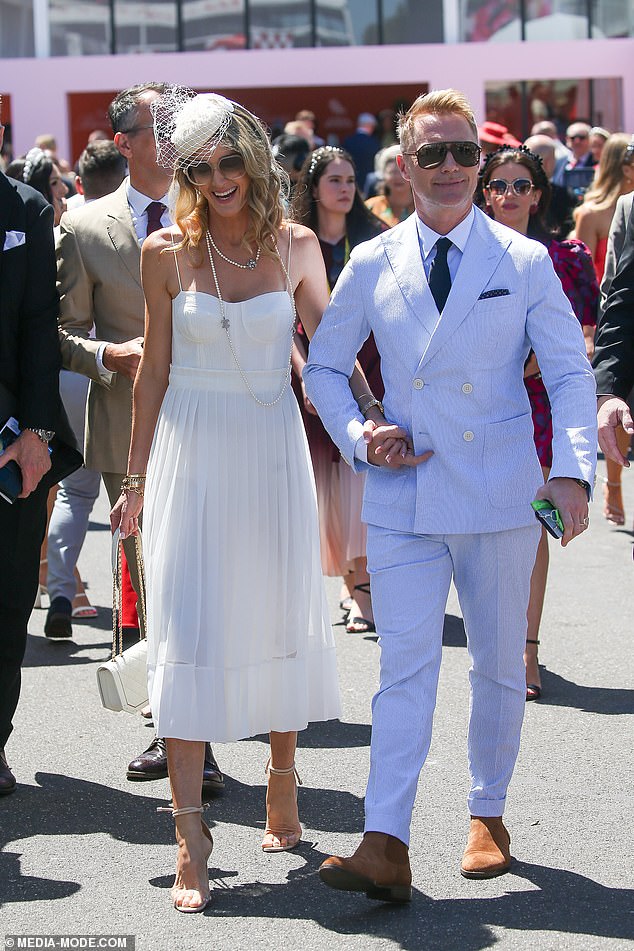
(251, 264)
(225, 323)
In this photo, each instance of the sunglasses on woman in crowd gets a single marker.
(229, 166)
(499, 186)
(434, 154)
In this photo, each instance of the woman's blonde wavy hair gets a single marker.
(608, 178)
(268, 187)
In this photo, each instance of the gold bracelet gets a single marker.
(134, 483)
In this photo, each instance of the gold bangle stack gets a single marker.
(134, 483)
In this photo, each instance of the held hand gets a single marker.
(571, 501)
(612, 412)
(32, 456)
(124, 358)
(390, 446)
(125, 514)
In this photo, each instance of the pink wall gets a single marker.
(38, 88)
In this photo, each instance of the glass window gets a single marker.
(344, 22)
(148, 27)
(482, 20)
(520, 105)
(612, 17)
(409, 21)
(16, 28)
(213, 24)
(79, 27)
(279, 24)
(556, 20)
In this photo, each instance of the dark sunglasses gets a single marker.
(498, 186)
(579, 135)
(229, 166)
(466, 154)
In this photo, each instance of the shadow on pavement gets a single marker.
(64, 805)
(43, 651)
(554, 901)
(559, 692)
(329, 735)
(557, 901)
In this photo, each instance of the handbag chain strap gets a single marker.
(117, 597)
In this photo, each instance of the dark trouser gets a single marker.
(22, 527)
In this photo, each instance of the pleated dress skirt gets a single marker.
(239, 636)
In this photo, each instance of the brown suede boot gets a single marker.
(379, 867)
(488, 851)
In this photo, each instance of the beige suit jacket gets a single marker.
(99, 282)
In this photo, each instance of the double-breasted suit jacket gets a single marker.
(455, 382)
(99, 282)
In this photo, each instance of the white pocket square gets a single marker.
(13, 239)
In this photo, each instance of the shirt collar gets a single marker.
(458, 236)
(138, 201)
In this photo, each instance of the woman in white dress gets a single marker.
(239, 639)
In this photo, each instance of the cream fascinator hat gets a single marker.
(188, 125)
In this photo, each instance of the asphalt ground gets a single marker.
(83, 851)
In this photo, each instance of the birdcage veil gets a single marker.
(188, 125)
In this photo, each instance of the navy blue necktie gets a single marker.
(439, 276)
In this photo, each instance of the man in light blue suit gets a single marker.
(455, 303)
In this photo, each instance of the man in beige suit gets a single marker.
(99, 283)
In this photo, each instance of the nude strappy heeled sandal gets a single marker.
(293, 836)
(180, 892)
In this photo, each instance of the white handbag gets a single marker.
(122, 681)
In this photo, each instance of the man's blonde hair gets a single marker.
(437, 102)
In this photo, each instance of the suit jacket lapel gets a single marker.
(482, 253)
(8, 202)
(122, 234)
(403, 252)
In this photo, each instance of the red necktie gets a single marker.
(154, 212)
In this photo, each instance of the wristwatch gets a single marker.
(372, 402)
(45, 434)
(584, 485)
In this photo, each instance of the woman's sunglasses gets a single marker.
(499, 187)
(466, 154)
(229, 166)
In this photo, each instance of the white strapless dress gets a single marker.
(239, 637)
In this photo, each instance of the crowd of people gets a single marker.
(287, 359)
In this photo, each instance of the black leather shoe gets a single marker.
(7, 779)
(152, 763)
(59, 618)
(213, 780)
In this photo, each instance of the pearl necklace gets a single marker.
(225, 324)
(251, 264)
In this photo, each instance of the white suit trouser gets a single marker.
(410, 578)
